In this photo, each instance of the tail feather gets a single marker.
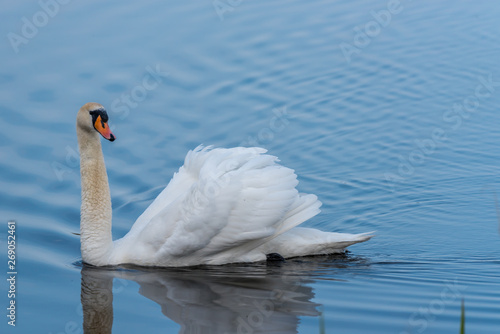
(302, 241)
(306, 207)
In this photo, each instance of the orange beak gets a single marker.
(103, 129)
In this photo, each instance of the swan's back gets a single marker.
(220, 207)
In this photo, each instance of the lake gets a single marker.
(388, 111)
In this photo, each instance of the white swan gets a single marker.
(222, 206)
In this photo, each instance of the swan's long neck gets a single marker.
(95, 223)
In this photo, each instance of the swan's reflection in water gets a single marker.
(221, 299)
(97, 300)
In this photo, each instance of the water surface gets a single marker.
(398, 135)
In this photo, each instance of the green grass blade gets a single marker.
(321, 320)
(462, 319)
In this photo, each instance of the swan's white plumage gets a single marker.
(222, 206)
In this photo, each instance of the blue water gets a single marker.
(394, 124)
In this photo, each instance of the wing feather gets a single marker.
(220, 207)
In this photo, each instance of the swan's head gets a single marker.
(93, 117)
